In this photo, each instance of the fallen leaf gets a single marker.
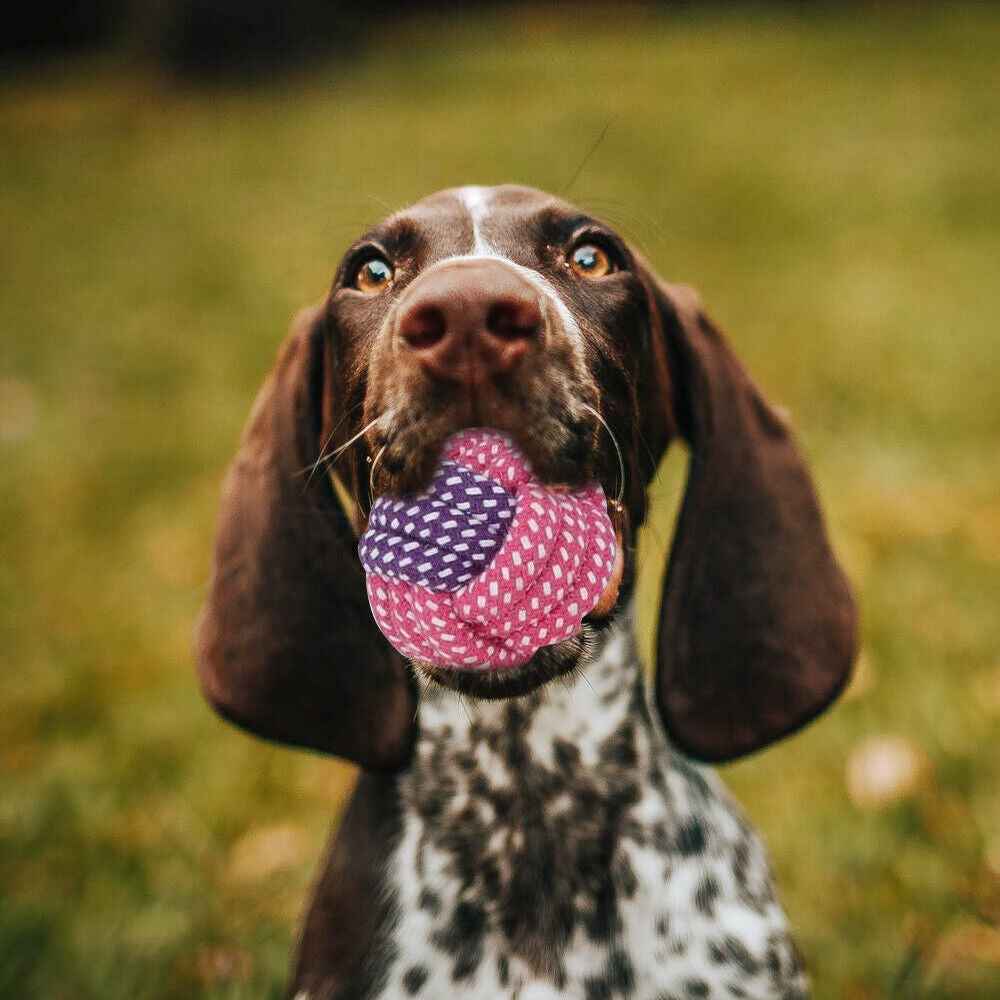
(222, 965)
(968, 943)
(266, 850)
(883, 770)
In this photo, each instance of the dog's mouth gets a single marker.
(564, 455)
(562, 448)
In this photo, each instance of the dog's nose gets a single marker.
(468, 321)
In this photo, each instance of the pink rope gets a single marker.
(547, 561)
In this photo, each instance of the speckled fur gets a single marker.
(556, 846)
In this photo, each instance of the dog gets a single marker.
(548, 831)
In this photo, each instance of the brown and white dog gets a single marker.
(515, 838)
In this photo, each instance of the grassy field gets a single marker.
(832, 186)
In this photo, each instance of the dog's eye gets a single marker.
(589, 261)
(374, 275)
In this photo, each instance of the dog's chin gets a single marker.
(547, 664)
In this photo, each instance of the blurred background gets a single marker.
(177, 179)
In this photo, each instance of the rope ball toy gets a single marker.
(488, 565)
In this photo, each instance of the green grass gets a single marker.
(831, 185)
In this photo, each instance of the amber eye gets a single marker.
(590, 261)
(374, 275)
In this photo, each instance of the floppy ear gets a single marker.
(757, 623)
(287, 645)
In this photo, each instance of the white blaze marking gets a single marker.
(476, 200)
(477, 203)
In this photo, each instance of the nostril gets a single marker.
(423, 327)
(515, 319)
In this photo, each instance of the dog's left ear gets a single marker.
(287, 645)
(757, 622)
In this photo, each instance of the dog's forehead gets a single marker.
(508, 201)
(482, 219)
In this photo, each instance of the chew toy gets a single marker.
(488, 565)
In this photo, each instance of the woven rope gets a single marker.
(488, 565)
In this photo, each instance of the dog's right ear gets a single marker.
(287, 645)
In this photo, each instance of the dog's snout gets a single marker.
(469, 321)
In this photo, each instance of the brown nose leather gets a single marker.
(468, 321)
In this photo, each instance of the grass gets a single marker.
(829, 182)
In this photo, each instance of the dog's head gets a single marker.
(508, 308)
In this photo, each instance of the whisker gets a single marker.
(636, 212)
(661, 542)
(329, 438)
(424, 683)
(654, 466)
(618, 450)
(337, 452)
(586, 156)
(381, 202)
(461, 701)
(371, 474)
(327, 456)
(629, 229)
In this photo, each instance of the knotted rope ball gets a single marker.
(488, 565)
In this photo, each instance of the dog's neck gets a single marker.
(513, 806)
(557, 842)
(580, 710)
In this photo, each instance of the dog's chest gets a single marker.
(556, 846)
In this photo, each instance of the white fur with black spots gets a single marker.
(556, 846)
